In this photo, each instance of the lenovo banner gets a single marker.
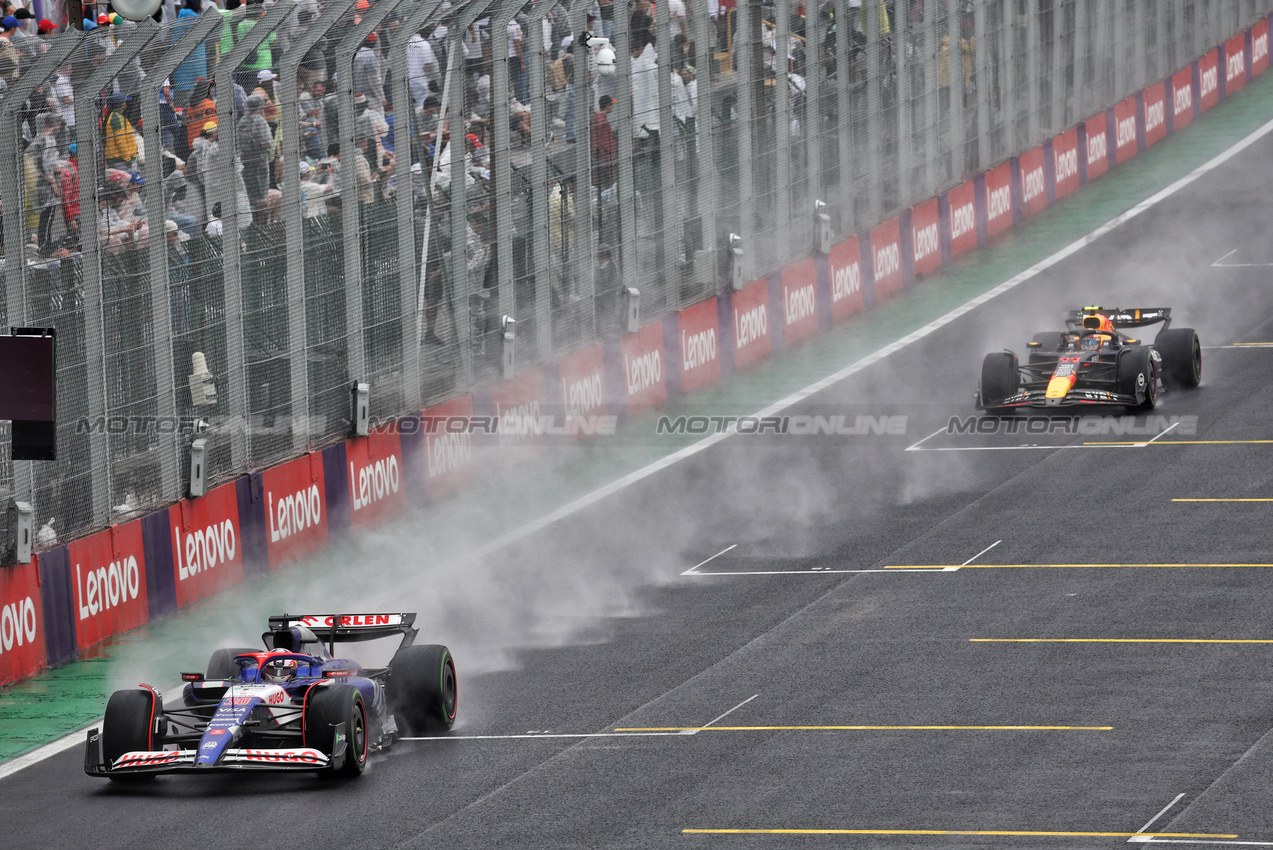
(520, 412)
(641, 353)
(1182, 98)
(846, 279)
(1234, 64)
(1260, 48)
(998, 199)
(450, 463)
(1065, 162)
(698, 338)
(581, 381)
(1155, 99)
(800, 301)
(1209, 80)
(963, 217)
(108, 576)
(376, 489)
(22, 651)
(207, 546)
(750, 308)
(1034, 186)
(1097, 146)
(1125, 145)
(295, 509)
(925, 238)
(886, 259)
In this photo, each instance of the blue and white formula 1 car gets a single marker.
(291, 706)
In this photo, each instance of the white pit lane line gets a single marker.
(1155, 818)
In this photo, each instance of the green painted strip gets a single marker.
(59, 701)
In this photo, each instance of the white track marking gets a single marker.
(691, 570)
(49, 750)
(915, 446)
(1155, 818)
(973, 558)
(814, 572)
(1161, 433)
(722, 717)
(1221, 264)
(1149, 839)
(532, 735)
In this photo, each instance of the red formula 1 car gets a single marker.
(1094, 361)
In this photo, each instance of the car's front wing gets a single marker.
(171, 761)
(1076, 397)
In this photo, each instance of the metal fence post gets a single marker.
(236, 361)
(585, 104)
(86, 114)
(743, 91)
(668, 227)
(874, 109)
(704, 147)
(983, 80)
(847, 198)
(537, 250)
(782, 253)
(160, 312)
(410, 284)
(902, 105)
(501, 155)
(350, 192)
(294, 223)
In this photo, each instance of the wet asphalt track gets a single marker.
(885, 648)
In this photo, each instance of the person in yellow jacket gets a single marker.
(968, 47)
(121, 139)
(885, 29)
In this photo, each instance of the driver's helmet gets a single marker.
(279, 670)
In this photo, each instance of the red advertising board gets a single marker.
(800, 301)
(207, 548)
(108, 571)
(1125, 129)
(581, 376)
(520, 411)
(450, 463)
(1034, 185)
(1182, 98)
(1260, 47)
(925, 238)
(963, 217)
(1155, 98)
(22, 651)
(699, 340)
(1065, 162)
(1209, 80)
(846, 279)
(1234, 64)
(644, 386)
(1097, 146)
(751, 323)
(886, 258)
(999, 199)
(376, 488)
(295, 509)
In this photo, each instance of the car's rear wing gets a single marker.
(1122, 317)
(348, 628)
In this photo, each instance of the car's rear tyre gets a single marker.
(1181, 352)
(422, 690)
(1138, 374)
(221, 665)
(129, 727)
(1000, 377)
(325, 707)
